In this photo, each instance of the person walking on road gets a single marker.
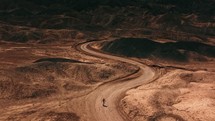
(103, 102)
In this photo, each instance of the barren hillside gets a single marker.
(183, 50)
(63, 60)
(178, 95)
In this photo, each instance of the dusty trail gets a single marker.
(113, 91)
(88, 107)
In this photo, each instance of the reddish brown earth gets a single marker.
(57, 82)
(41, 88)
(152, 60)
(177, 95)
(184, 89)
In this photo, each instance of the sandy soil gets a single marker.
(37, 86)
(184, 92)
(177, 96)
(112, 91)
(71, 83)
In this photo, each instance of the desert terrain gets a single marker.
(110, 60)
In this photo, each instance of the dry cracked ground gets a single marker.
(44, 74)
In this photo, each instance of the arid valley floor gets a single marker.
(107, 60)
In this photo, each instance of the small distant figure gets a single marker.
(103, 103)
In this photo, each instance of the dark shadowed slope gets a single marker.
(145, 48)
(57, 60)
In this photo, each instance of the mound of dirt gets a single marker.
(178, 95)
(145, 48)
(52, 76)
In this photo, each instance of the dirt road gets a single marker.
(113, 91)
(89, 106)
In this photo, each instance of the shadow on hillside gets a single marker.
(145, 48)
(57, 60)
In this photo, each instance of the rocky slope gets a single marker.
(177, 96)
(97, 16)
(41, 70)
(183, 91)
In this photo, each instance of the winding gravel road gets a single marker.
(112, 91)
(89, 107)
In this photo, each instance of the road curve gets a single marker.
(112, 91)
